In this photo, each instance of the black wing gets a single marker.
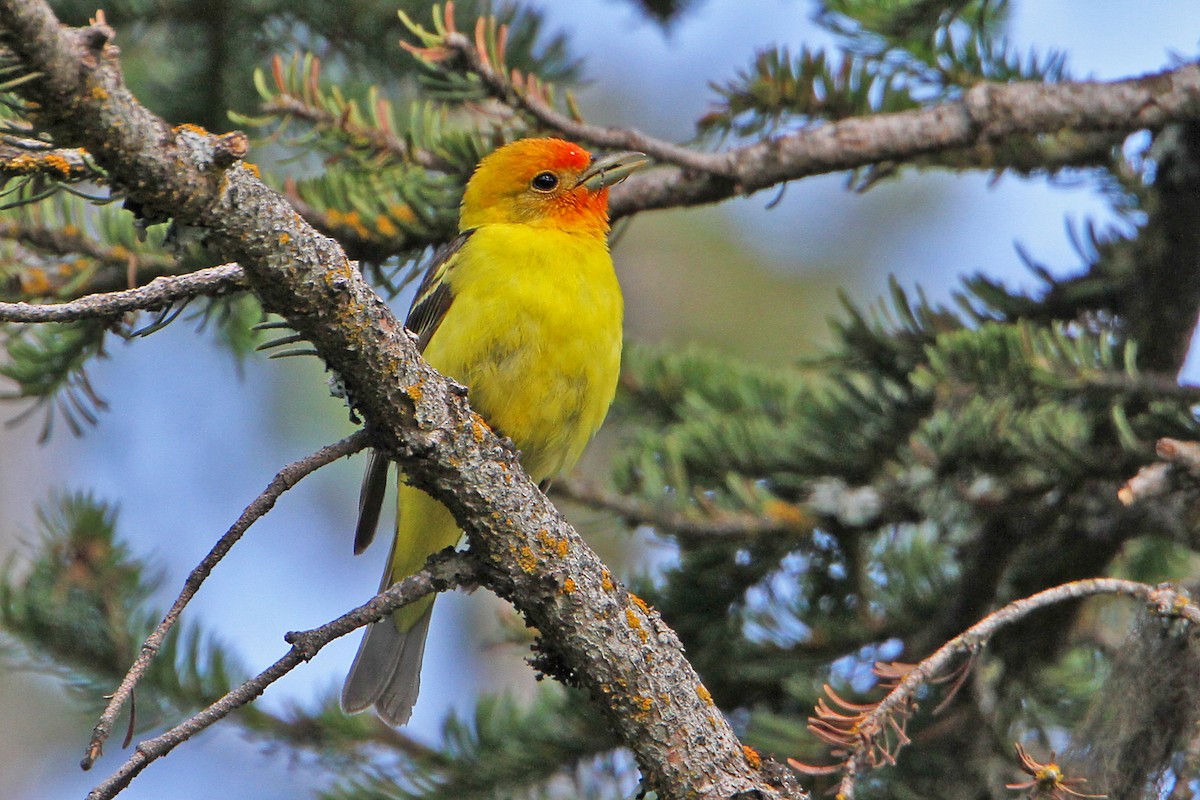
(429, 308)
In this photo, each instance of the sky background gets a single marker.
(190, 439)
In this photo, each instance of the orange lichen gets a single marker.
(552, 544)
(285, 237)
(414, 391)
(57, 163)
(752, 757)
(253, 168)
(99, 93)
(479, 427)
(527, 559)
(21, 164)
(704, 694)
(606, 581)
(640, 603)
(644, 703)
(189, 127)
(636, 624)
(569, 586)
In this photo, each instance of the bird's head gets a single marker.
(545, 182)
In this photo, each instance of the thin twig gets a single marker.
(445, 571)
(160, 292)
(287, 477)
(1163, 599)
(34, 157)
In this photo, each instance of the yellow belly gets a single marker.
(538, 345)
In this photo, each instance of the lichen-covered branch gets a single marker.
(159, 293)
(23, 157)
(865, 732)
(591, 628)
(986, 112)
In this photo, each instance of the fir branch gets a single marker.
(503, 749)
(159, 293)
(49, 364)
(65, 244)
(877, 719)
(445, 571)
(597, 632)
(985, 114)
(288, 477)
(484, 56)
(297, 94)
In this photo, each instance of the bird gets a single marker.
(522, 307)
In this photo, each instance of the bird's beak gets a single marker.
(611, 170)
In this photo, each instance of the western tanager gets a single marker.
(522, 307)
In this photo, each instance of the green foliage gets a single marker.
(48, 364)
(936, 463)
(895, 56)
(780, 90)
(66, 246)
(80, 606)
(922, 429)
(506, 750)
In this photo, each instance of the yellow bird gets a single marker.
(522, 307)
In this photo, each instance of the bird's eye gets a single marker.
(544, 182)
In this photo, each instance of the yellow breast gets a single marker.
(534, 332)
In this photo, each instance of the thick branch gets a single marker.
(159, 293)
(986, 112)
(613, 644)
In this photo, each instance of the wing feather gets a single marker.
(429, 308)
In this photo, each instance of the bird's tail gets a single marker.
(386, 672)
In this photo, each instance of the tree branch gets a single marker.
(592, 629)
(446, 571)
(986, 112)
(21, 157)
(159, 293)
(887, 716)
(287, 477)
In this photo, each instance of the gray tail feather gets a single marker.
(386, 672)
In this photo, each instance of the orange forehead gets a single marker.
(529, 156)
(500, 189)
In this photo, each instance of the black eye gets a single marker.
(544, 182)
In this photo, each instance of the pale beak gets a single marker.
(611, 170)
